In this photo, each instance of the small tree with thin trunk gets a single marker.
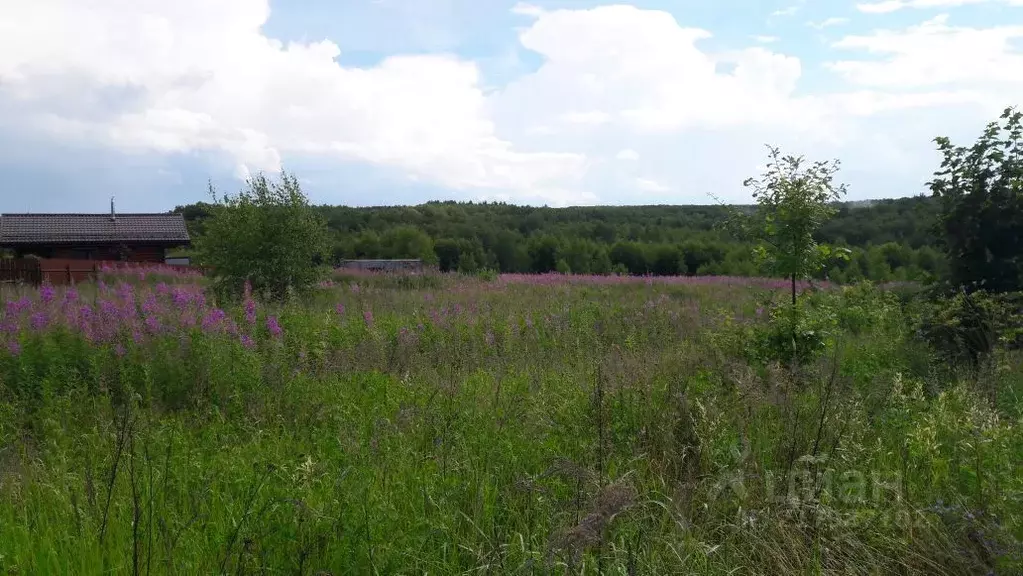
(793, 200)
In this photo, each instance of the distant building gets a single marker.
(406, 265)
(128, 237)
(177, 261)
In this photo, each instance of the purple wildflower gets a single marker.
(119, 350)
(340, 309)
(46, 293)
(14, 348)
(250, 310)
(71, 295)
(39, 321)
(367, 315)
(212, 319)
(247, 341)
(273, 326)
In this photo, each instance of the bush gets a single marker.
(965, 328)
(266, 235)
(793, 334)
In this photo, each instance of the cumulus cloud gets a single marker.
(615, 83)
(648, 185)
(206, 78)
(828, 22)
(886, 6)
(955, 64)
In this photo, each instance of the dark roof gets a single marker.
(91, 228)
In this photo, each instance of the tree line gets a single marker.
(887, 239)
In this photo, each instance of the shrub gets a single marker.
(965, 328)
(266, 235)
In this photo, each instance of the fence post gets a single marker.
(67, 270)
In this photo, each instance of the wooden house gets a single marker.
(124, 237)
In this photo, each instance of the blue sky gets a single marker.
(550, 102)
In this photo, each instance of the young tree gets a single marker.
(793, 200)
(981, 193)
(268, 235)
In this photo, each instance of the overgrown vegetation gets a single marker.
(476, 425)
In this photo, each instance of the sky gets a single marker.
(561, 102)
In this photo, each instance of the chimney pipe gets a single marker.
(113, 215)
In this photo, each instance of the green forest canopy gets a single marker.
(890, 239)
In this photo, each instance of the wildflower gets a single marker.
(119, 350)
(46, 293)
(212, 319)
(71, 295)
(340, 309)
(247, 341)
(14, 348)
(250, 310)
(39, 321)
(273, 326)
(368, 317)
(489, 337)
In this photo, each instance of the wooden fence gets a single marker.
(62, 271)
(21, 271)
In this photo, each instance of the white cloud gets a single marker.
(592, 117)
(648, 185)
(764, 39)
(645, 73)
(887, 6)
(827, 22)
(616, 82)
(524, 9)
(954, 63)
(204, 77)
(786, 11)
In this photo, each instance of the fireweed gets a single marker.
(524, 424)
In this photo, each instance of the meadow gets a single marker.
(518, 424)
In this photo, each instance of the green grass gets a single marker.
(542, 429)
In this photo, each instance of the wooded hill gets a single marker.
(889, 239)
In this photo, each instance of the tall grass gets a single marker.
(521, 426)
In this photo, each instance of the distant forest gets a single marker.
(889, 239)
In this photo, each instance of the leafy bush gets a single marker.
(965, 328)
(793, 335)
(267, 235)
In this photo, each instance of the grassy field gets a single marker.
(518, 425)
